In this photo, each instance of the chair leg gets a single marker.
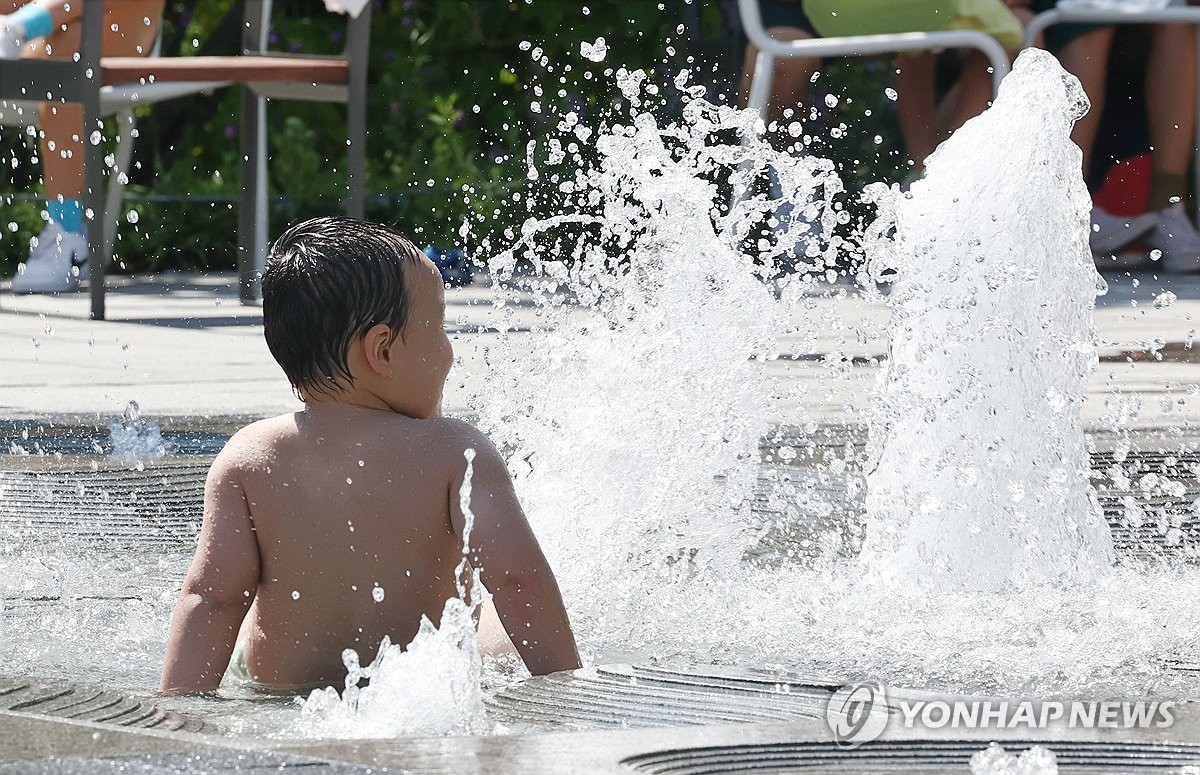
(356, 156)
(253, 215)
(93, 200)
(118, 177)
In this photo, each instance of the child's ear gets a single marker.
(378, 345)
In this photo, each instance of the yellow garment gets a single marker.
(841, 18)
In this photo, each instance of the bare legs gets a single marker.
(923, 122)
(130, 28)
(1086, 57)
(59, 257)
(1171, 109)
(789, 86)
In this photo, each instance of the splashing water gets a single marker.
(633, 422)
(432, 687)
(135, 439)
(650, 376)
(994, 760)
(981, 471)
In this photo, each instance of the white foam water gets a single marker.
(634, 419)
(994, 760)
(980, 471)
(135, 439)
(633, 423)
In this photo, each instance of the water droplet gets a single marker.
(1164, 300)
(295, 594)
(890, 93)
(831, 100)
(95, 138)
(1155, 254)
(132, 216)
(596, 52)
(377, 594)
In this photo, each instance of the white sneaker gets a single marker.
(1178, 240)
(12, 38)
(58, 260)
(1110, 232)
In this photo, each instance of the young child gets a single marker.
(332, 527)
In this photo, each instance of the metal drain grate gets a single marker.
(1153, 507)
(623, 696)
(60, 699)
(161, 505)
(909, 757)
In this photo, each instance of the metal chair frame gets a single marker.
(770, 49)
(1177, 15)
(82, 81)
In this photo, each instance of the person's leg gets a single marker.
(1170, 112)
(789, 86)
(1086, 57)
(1085, 53)
(970, 96)
(130, 27)
(915, 106)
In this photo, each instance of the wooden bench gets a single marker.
(104, 85)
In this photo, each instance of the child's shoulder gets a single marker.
(255, 441)
(457, 435)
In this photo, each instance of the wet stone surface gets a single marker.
(170, 764)
(1149, 496)
(618, 696)
(910, 756)
(60, 699)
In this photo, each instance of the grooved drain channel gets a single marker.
(60, 699)
(621, 696)
(910, 757)
(1150, 504)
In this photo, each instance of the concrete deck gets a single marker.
(182, 345)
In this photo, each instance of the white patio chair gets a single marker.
(770, 49)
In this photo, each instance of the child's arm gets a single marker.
(218, 590)
(513, 567)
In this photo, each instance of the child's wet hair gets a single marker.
(327, 281)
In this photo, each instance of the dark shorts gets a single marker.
(780, 13)
(1059, 35)
(775, 13)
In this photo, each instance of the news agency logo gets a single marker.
(857, 713)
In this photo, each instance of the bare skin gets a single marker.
(130, 27)
(298, 533)
(790, 84)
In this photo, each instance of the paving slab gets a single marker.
(181, 345)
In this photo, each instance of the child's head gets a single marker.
(328, 282)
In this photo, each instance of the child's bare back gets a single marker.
(333, 527)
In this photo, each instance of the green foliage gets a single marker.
(451, 113)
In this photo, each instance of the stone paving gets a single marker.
(182, 345)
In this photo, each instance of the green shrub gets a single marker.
(450, 115)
